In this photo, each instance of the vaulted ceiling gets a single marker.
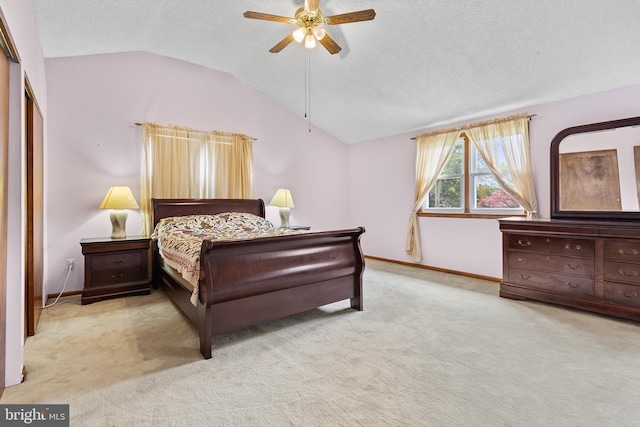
(419, 63)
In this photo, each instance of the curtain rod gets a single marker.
(472, 125)
(195, 130)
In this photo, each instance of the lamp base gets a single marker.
(118, 223)
(284, 217)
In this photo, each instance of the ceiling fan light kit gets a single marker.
(310, 21)
(309, 41)
(299, 34)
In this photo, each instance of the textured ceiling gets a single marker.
(420, 63)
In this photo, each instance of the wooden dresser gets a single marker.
(589, 265)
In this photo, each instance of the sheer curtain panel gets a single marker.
(179, 162)
(432, 153)
(508, 137)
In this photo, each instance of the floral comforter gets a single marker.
(180, 238)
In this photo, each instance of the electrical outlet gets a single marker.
(71, 264)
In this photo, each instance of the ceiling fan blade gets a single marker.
(311, 5)
(330, 44)
(282, 44)
(346, 18)
(267, 17)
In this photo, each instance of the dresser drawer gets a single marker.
(621, 272)
(108, 277)
(553, 263)
(552, 245)
(622, 294)
(115, 260)
(617, 250)
(552, 281)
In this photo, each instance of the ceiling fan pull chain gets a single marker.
(309, 70)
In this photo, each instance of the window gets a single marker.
(448, 191)
(467, 185)
(462, 184)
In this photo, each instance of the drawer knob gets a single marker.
(628, 273)
(572, 285)
(117, 277)
(629, 294)
(631, 252)
(523, 277)
(568, 246)
(572, 267)
(521, 243)
(118, 261)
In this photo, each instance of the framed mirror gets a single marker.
(595, 171)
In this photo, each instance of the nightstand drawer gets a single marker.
(109, 277)
(115, 260)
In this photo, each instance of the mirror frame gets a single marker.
(556, 212)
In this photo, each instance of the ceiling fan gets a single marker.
(311, 21)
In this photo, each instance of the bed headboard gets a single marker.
(164, 208)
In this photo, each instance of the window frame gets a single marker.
(469, 192)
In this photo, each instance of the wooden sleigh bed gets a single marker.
(245, 282)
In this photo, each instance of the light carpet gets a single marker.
(429, 349)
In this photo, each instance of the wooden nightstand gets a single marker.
(115, 267)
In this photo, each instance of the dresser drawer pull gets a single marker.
(574, 286)
(118, 261)
(568, 246)
(631, 252)
(628, 273)
(629, 295)
(521, 243)
(523, 277)
(117, 277)
(577, 266)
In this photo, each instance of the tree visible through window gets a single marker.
(467, 185)
(449, 188)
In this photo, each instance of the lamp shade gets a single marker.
(282, 199)
(119, 198)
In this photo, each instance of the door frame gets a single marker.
(8, 51)
(34, 197)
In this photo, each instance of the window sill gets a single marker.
(468, 215)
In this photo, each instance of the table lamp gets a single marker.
(118, 199)
(284, 201)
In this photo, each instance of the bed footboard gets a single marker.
(247, 282)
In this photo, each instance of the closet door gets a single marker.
(4, 166)
(34, 244)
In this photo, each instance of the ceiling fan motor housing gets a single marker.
(309, 19)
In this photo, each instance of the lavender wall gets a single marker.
(381, 187)
(93, 144)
